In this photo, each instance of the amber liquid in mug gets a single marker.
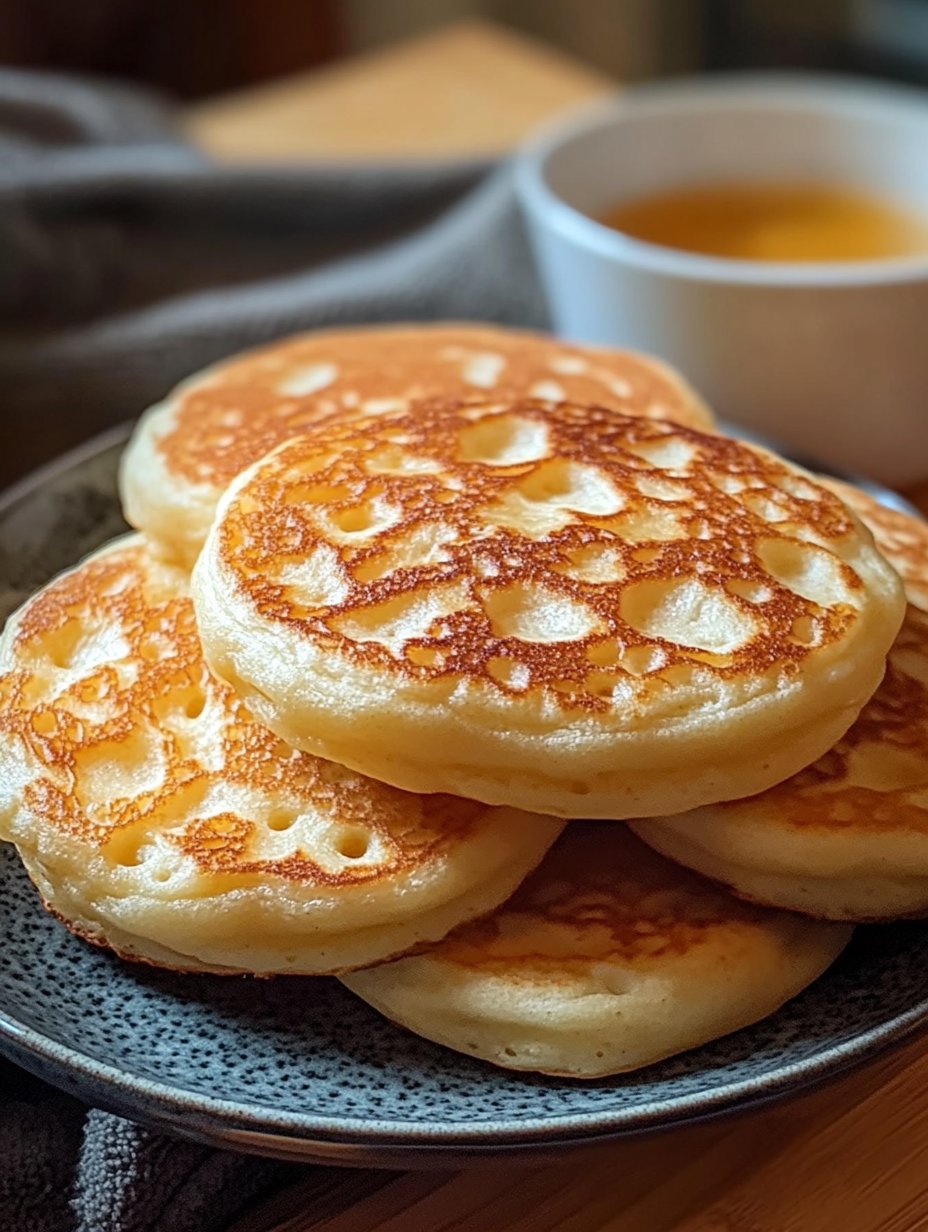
(774, 222)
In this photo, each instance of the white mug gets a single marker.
(830, 358)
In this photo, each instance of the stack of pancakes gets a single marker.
(472, 667)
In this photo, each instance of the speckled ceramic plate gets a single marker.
(299, 1068)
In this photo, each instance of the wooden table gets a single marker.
(852, 1157)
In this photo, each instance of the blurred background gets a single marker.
(138, 243)
(197, 48)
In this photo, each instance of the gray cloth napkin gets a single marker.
(127, 261)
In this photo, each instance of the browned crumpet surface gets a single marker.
(601, 896)
(156, 816)
(607, 958)
(579, 552)
(876, 777)
(228, 418)
(134, 712)
(902, 539)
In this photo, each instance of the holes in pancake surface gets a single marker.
(799, 487)
(352, 842)
(509, 673)
(688, 612)
(301, 382)
(659, 488)
(426, 656)
(123, 768)
(573, 485)
(155, 647)
(282, 819)
(365, 518)
(648, 523)
(600, 684)
(806, 631)
(640, 660)
(195, 704)
(315, 581)
(408, 617)
(595, 563)
(806, 570)
(748, 588)
(425, 544)
(392, 460)
(79, 647)
(604, 654)
(503, 440)
(59, 645)
(731, 485)
(765, 505)
(535, 614)
(44, 722)
(668, 452)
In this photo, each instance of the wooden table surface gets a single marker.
(851, 1157)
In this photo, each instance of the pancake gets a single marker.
(606, 959)
(846, 838)
(558, 608)
(901, 538)
(158, 818)
(187, 450)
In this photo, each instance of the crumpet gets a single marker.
(606, 959)
(188, 449)
(158, 818)
(846, 838)
(558, 608)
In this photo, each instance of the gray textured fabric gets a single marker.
(127, 261)
(66, 1168)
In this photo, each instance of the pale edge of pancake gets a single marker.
(860, 876)
(175, 516)
(551, 1027)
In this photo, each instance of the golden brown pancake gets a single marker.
(901, 538)
(846, 838)
(606, 959)
(187, 450)
(553, 607)
(156, 816)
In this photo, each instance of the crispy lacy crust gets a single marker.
(847, 836)
(140, 703)
(235, 413)
(582, 552)
(124, 731)
(875, 779)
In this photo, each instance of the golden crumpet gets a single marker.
(188, 449)
(158, 818)
(606, 959)
(846, 837)
(553, 607)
